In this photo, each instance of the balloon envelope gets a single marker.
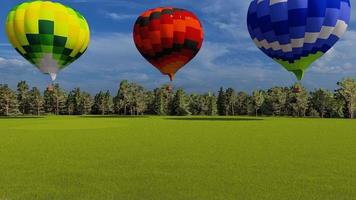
(168, 38)
(295, 33)
(47, 34)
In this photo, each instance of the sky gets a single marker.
(228, 57)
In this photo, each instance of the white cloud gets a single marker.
(118, 17)
(5, 63)
(339, 59)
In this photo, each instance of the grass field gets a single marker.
(152, 158)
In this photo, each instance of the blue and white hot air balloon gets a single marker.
(295, 33)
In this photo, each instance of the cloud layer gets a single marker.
(228, 57)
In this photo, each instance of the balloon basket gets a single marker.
(50, 88)
(297, 90)
(169, 88)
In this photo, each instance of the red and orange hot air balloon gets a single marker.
(168, 38)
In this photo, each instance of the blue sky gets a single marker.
(228, 57)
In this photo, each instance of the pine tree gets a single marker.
(180, 104)
(86, 103)
(22, 97)
(73, 102)
(196, 104)
(276, 99)
(55, 100)
(121, 100)
(297, 102)
(108, 103)
(35, 101)
(139, 96)
(98, 105)
(320, 100)
(221, 102)
(258, 99)
(212, 105)
(162, 101)
(230, 96)
(8, 101)
(242, 101)
(102, 103)
(347, 89)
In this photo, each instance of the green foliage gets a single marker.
(8, 101)
(347, 90)
(35, 101)
(276, 100)
(202, 104)
(222, 102)
(322, 101)
(162, 101)
(297, 102)
(86, 103)
(22, 97)
(55, 100)
(134, 99)
(130, 99)
(258, 98)
(212, 109)
(180, 104)
(103, 103)
(242, 103)
(230, 103)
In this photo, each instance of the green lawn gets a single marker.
(153, 158)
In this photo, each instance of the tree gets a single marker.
(35, 101)
(321, 100)
(98, 105)
(180, 104)
(338, 106)
(150, 98)
(276, 99)
(102, 103)
(211, 105)
(130, 99)
(137, 101)
(73, 102)
(86, 102)
(22, 97)
(8, 101)
(221, 102)
(347, 89)
(298, 102)
(121, 100)
(108, 103)
(55, 100)
(162, 101)
(242, 101)
(258, 99)
(197, 104)
(230, 96)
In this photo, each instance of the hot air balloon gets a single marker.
(168, 38)
(49, 35)
(295, 33)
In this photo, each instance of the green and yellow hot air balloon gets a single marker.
(48, 34)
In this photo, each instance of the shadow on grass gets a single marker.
(113, 116)
(21, 117)
(213, 119)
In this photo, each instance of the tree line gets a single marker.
(134, 99)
